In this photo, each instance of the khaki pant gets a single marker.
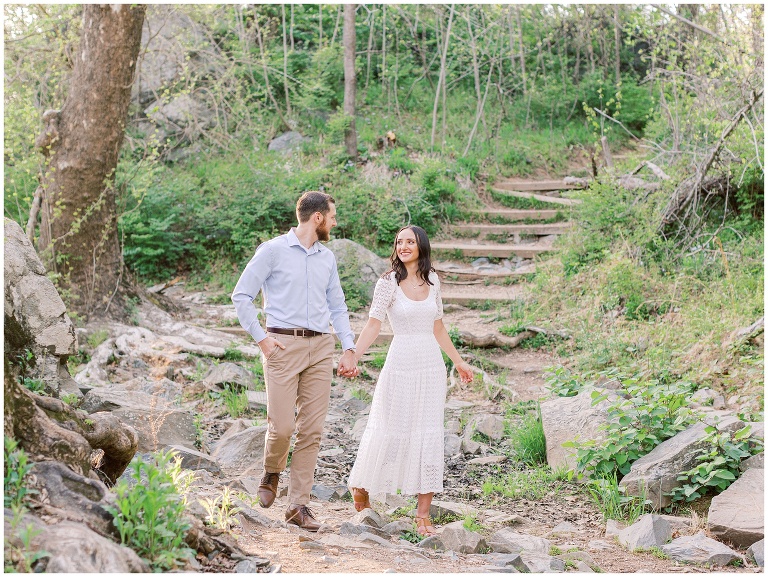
(298, 376)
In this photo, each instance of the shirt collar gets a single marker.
(293, 240)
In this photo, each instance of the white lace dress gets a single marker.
(402, 446)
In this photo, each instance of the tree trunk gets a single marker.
(292, 41)
(384, 79)
(522, 52)
(350, 81)
(441, 79)
(79, 216)
(370, 45)
(617, 41)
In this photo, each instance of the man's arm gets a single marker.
(248, 287)
(338, 309)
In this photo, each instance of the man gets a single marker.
(302, 293)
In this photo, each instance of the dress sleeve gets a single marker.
(383, 297)
(438, 295)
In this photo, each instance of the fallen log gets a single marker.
(493, 340)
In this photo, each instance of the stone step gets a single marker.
(471, 273)
(535, 185)
(539, 197)
(518, 213)
(493, 250)
(534, 229)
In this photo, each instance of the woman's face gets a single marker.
(407, 249)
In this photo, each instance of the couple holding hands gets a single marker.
(402, 446)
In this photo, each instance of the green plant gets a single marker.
(149, 512)
(199, 431)
(532, 484)
(613, 501)
(362, 394)
(719, 463)
(221, 511)
(16, 467)
(235, 399)
(412, 535)
(470, 523)
(378, 359)
(554, 550)
(21, 558)
(562, 382)
(34, 385)
(70, 399)
(527, 440)
(232, 353)
(98, 337)
(651, 413)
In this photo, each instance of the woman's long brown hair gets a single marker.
(425, 253)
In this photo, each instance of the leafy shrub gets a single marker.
(16, 466)
(469, 165)
(613, 501)
(221, 511)
(398, 160)
(562, 382)
(149, 512)
(517, 161)
(719, 463)
(651, 413)
(527, 440)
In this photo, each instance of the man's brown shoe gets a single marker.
(268, 489)
(302, 516)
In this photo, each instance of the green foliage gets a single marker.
(149, 511)
(97, 337)
(562, 382)
(651, 413)
(470, 523)
(398, 160)
(378, 359)
(34, 385)
(232, 353)
(362, 394)
(21, 559)
(613, 501)
(234, 397)
(527, 440)
(220, 510)
(338, 124)
(531, 484)
(71, 399)
(16, 467)
(719, 461)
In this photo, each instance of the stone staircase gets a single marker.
(514, 235)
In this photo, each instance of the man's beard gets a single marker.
(323, 234)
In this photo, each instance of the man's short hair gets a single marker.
(311, 202)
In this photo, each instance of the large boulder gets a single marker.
(241, 452)
(36, 320)
(737, 514)
(656, 473)
(287, 142)
(366, 266)
(571, 419)
(648, 531)
(699, 548)
(457, 538)
(509, 541)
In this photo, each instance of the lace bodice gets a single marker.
(405, 315)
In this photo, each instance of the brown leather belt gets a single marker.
(295, 332)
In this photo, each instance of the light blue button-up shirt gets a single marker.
(301, 289)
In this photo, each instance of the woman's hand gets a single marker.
(465, 372)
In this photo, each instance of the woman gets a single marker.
(402, 446)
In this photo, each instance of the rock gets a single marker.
(470, 447)
(348, 528)
(542, 563)
(287, 142)
(452, 509)
(453, 426)
(332, 540)
(737, 514)
(753, 462)
(492, 426)
(677, 524)
(251, 565)
(570, 419)
(195, 460)
(493, 569)
(579, 556)
(656, 473)
(719, 402)
(704, 396)
(489, 460)
(648, 531)
(480, 261)
(335, 452)
(251, 515)
(369, 537)
(323, 493)
(74, 548)
(433, 543)
(241, 452)
(509, 541)
(508, 560)
(359, 428)
(699, 548)
(224, 373)
(180, 112)
(600, 545)
(354, 258)
(397, 527)
(257, 400)
(613, 527)
(452, 445)
(353, 405)
(757, 552)
(369, 517)
(456, 538)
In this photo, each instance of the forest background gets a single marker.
(650, 283)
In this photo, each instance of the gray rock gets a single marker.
(224, 373)
(353, 405)
(74, 548)
(656, 473)
(359, 428)
(369, 517)
(600, 545)
(648, 531)
(699, 548)
(397, 527)
(542, 563)
(287, 142)
(195, 460)
(737, 514)
(613, 527)
(582, 567)
(453, 426)
(370, 537)
(251, 515)
(470, 447)
(757, 552)
(456, 538)
(571, 419)
(257, 400)
(753, 462)
(493, 569)
(251, 565)
(489, 460)
(322, 492)
(480, 261)
(492, 426)
(704, 396)
(348, 528)
(241, 452)
(366, 266)
(180, 111)
(508, 560)
(433, 543)
(509, 541)
(677, 524)
(452, 509)
(452, 445)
